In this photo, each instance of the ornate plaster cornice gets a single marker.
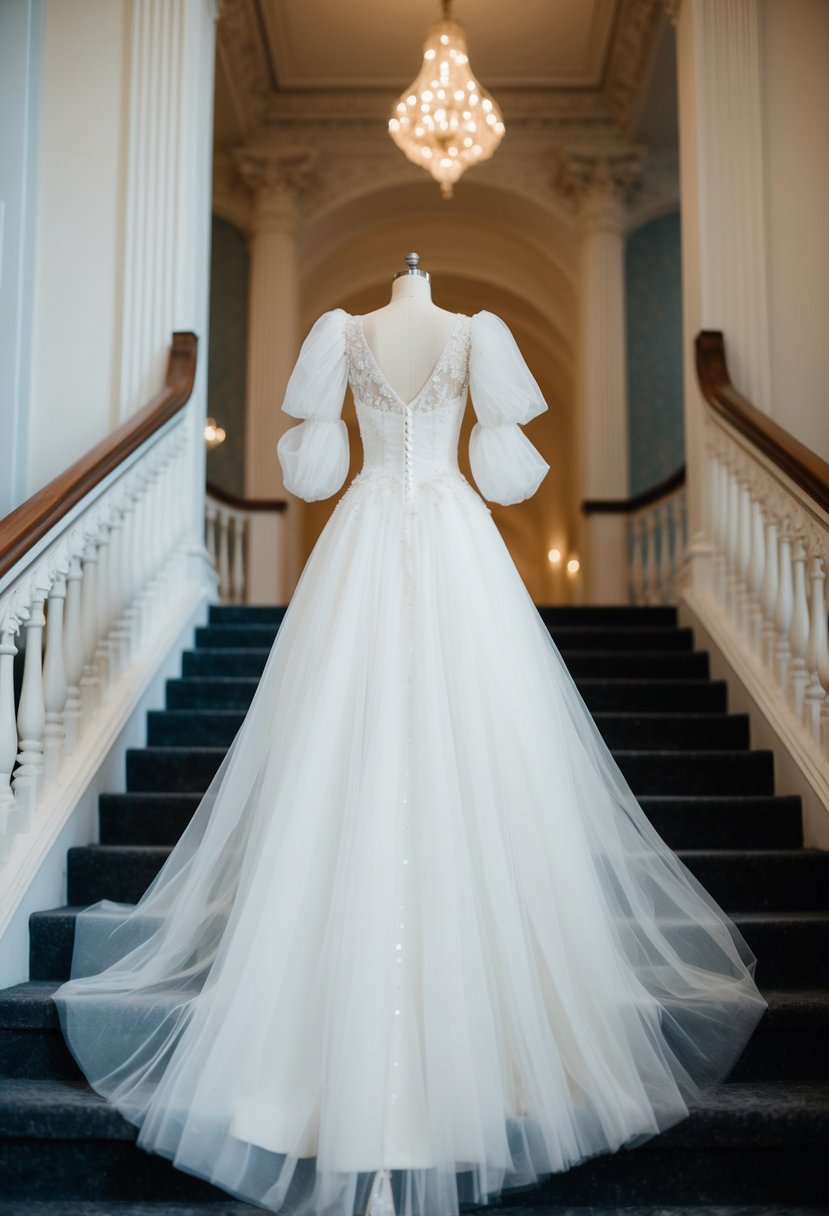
(598, 183)
(239, 45)
(277, 179)
(637, 31)
(607, 107)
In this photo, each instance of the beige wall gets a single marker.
(77, 272)
(795, 80)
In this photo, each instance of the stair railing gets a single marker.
(236, 528)
(656, 536)
(89, 565)
(767, 522)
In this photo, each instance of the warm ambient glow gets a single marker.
(573, 566)
(446, 121)
(554, 555)
(213, 434)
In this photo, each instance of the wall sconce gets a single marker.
(213, 434)
(573, 566)
(554, 556)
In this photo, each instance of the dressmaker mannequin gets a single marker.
(407, 335)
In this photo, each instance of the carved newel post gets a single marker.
(599, 183)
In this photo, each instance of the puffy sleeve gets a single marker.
(315, 455)
(506, 467)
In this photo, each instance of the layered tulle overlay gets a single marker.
(419, 922)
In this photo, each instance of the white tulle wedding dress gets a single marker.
(419, 942)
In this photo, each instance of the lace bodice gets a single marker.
(409, 447)
(447, 382)
(412, 440)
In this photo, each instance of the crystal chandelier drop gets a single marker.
(446, 121)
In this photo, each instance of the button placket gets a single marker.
(400, 1011)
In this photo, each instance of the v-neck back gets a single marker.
(437, 367)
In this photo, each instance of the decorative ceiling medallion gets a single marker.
(446, 121)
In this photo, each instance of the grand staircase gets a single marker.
(760, 1141)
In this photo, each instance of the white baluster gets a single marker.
(798, 630)
(89, 631)
(224, 556)
(732, 546)
(31, 717)
(768, 598)
(238, 579)
(211, 539)
(8, 735)
(102, 643)
(73, 657)
(783, 608)
(755, 575)
(115, 587)
(817, 651)
(54, 680)
(666, 569)
(126, 619)
(634, 560)
(743, 554)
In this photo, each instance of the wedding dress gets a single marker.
(419, 942)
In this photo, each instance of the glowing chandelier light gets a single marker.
(446, 121)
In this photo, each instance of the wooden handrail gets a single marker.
(798, 462)
(21, 528)
(248, 505)
(624, 506)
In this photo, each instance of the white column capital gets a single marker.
(599, 182)
(276, 181)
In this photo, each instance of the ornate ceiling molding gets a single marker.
(354, 155)
(243, 57)
(598, 183)
(610, 105)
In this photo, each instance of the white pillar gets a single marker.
(273, 345)
(599, 182)
(724, 280)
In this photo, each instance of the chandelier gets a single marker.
(446, 121)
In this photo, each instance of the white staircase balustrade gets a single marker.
(771, 541)
(656, 545)
(97, 583)
(247, 545)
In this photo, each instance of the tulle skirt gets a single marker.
(418, 922)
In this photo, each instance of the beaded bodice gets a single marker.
(418, 439)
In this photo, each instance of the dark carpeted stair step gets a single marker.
(764, 880)
(738, 879)
(190, 770)
(175, 769)
(690, 772)
(206, 728)
(210, 694)
(730, 821)
(150, 818)
(712, 822)
(637, 616)
(52, 1132)
(604, 615)
(792, 947)
(573, 637)
(697, 732)
(181, 727)
(675, 696)
(228, 1207)
(788, 1042)
(245, 663)
(654, 696)
(104, 1207)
